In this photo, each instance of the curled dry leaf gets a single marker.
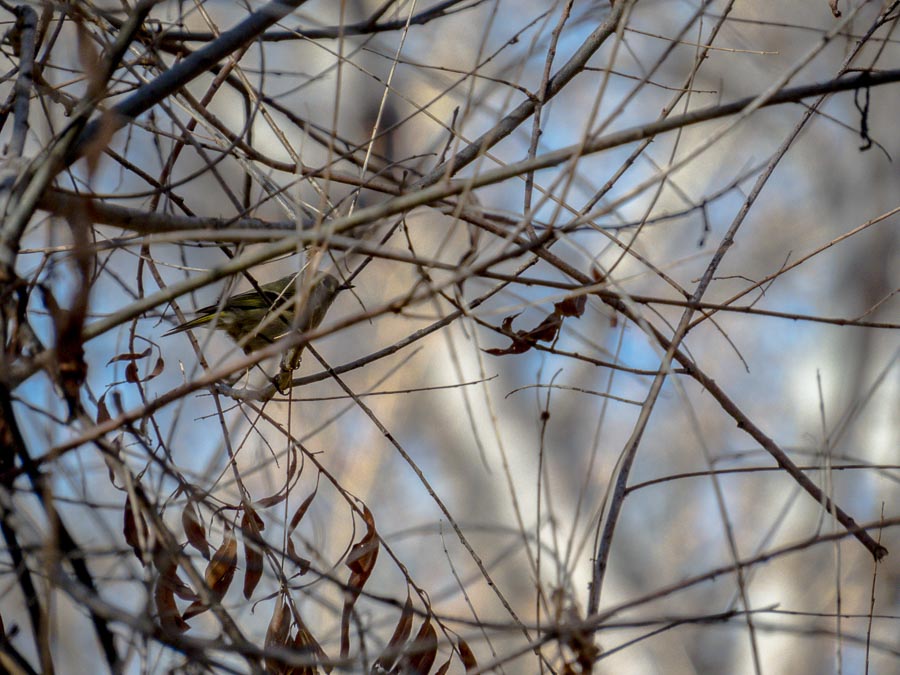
(164, 597)
(219, 573)
(301, 510)
(307, 645)
(132, 373)
(361, 561)
(220, 570)
(303, 564)
(546, 331)
(169, 616)
(466, 655)
(194, 529)
(282, 494)
(251, 526)
(422, 651)
(272, 500)
(277, 634)
(157, 369)
(102, 411)
(130, 356)
(445, 667)
(166, 565)
(394, 648)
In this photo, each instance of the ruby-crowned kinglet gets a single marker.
(255, 319)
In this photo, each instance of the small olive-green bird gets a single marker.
(262, 318)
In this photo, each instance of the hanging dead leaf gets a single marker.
(277, 634)
(251, 526)
(133, 375)
(272, 500)
(361, 561)
(303, 564)
(102, 411)
(282, 494)
(169, 616)
(573, 306)
(219, 573)
(394, 648)
(546, 331)
(164, 595)
(466, 655)
(422, 651)
(158, 368)
(130, 356)
(220, 570)
(301, 510)
(305, 644)
(183, 591)
(194, 529)
(167, 567)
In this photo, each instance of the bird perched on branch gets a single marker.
(255, 319)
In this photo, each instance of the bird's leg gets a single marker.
(289, 363)
(282, 382)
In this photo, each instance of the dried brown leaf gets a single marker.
(157, 369)
(130, 356)
(301, 510)
(169, 616)
(272, 500)
(168, 572)
(102, 411)
(194, 529)
(195, 608)
(573, 306)
(219, 573)
(182, 590)
(422, 651)
(303, 564)
(251, 525)
(466, 655)
(164, 594)
(254, 570)
(282, 494)
(545, 331)
(361, 561)
(401, 634)
(132, 372)
(305, 644)
(221, 568)
(277, 634)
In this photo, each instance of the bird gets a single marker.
(255, 319)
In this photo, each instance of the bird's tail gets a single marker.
(193, 323)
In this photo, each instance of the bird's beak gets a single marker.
(345, 287)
